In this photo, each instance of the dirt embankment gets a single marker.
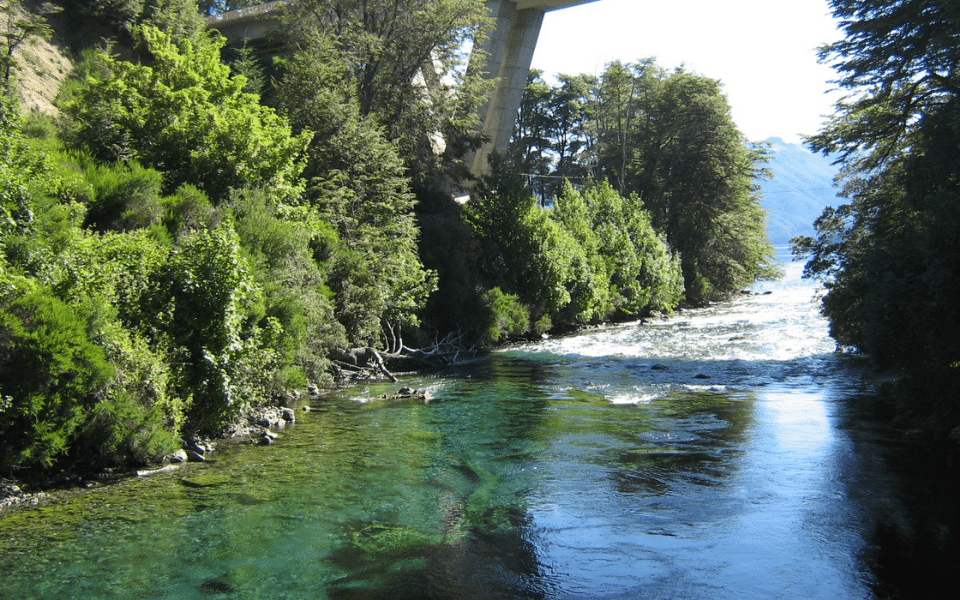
(42, 66)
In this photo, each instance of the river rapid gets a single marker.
(727, 452)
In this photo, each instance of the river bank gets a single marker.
(261, 425)
(726, 453)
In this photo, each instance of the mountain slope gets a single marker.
(802, 187)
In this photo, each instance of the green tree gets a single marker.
(550, 132)
(186, 116)
(697, 176)
(638, 271)
(571, 112)
(407, 64)
(527, 253)
(667, 138)
(112, 278)
(180, 19)
(902, 56)
(888, 257)
(530, 143)
(204, 319)
(358, 184)
(622, 100)
(279, 243)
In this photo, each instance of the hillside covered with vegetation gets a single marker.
(201, 228)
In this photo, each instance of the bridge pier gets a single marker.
(509, 51)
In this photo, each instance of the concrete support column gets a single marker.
(510, 52)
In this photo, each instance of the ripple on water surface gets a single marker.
(706, 456)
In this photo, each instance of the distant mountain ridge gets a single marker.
(801, 188)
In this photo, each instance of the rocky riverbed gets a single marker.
(260, 425)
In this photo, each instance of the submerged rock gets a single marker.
(149, 472)
(405, 393)
(215, 586)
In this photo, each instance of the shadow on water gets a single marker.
(533, 474)
(907, 488)
(491, 558)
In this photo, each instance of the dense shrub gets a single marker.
(509, 318)
(52, 375)
(183, 114)
(125, 197)
(208, 291)
(594, 256)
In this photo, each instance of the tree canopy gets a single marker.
(889, 257)
(669, 139)
(181, 114)
(407, 61)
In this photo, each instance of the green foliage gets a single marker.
(139, 417)
(246, 65)
(184, 115)
(359, 186)
(278, 242)
(593, 257)
(639, 272)
(384, 45)
(122, 268)
(118, 19)
(668, 139)
(888, 258)
(210, 289)
(17, 168)
(189, 209)
(697, 177)
(509, 318)
(51, 375)
(124, 198)
(179, 19)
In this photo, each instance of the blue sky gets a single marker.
(763, 51)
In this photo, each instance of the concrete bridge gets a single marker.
(509, 49)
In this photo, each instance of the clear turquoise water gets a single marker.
(723, 453)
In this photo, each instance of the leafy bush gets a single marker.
(279, 242)
(509, 318)
(189, 209)
(139, 417)
(51, 375)
(121, 268)
(17, 167)
(210, 288)
(126, 197)
(184, 115)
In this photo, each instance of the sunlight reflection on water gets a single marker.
(709, 456)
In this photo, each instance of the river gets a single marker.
(727, 452)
